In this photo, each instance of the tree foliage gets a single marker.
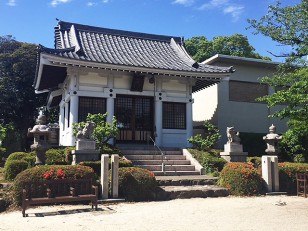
(18, 101)
(103, 131)
(205, 143)
(288, 26)
(200, 48)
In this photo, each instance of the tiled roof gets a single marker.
(117, 47)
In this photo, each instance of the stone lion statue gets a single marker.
(233, 137)
(86, 132)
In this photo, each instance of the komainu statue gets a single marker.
(233, 137)
(86, 132)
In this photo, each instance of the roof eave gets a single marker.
(56, 60)
(229, 58)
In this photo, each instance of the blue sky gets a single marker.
(33, 21)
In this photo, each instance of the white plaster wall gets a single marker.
(205, 103)
(174, 138)
(95, 84)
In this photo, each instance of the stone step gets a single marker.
(150, 152)
(159, 162)
(186, 192)
(155, 157)
(175, 168)
(186, 180)
(176, 173)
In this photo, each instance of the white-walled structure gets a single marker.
(145, 80)
(232, 101)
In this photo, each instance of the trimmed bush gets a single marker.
(16, 162)
(14, 167)
(287, 176)
(241, 179)
(209, 160)
(137, 184)
(96, 165)
(55, 157)
(45, 172)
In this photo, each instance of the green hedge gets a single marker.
(241, 179)
(211, 161)
(137, 184)
(17, 162)
(96, 165)
(56, 157)
(45, 172)
(14, 167)
(287, 176)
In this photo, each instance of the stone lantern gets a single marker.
(270, 171)
(272, 139)
(40, 132)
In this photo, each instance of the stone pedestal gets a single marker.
(84, 155)
(270, 173)
(233, 152)
(85, 151)
(85, 145)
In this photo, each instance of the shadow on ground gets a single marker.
(106, 210)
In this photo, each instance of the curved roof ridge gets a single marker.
(164, 38)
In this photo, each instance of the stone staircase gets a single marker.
(176, 164)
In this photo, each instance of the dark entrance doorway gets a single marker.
(135, 118)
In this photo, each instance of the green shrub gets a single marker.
(256, 161)
(68, 154)
(55, 157)
(207, 141)
(14, 167)
(16, 156)
(241, 179)
(47, 172)
(299, 158)
(11, 169)
(137, 184)
(209, 160)
(287, 176)
(96, 165)
(110, 149)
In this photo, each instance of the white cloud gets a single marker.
(105, 1)
(225, 6)
(184, 2)
(235, 11)
(54, 3)
(213, 4)
(91, 4)
(11, 3)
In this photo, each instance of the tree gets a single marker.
(236, 45)
(103, 130)
(288, 26)
(18, 102)
(209, 140)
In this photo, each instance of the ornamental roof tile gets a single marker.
(125, 48)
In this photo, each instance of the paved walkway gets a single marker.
(268, 213)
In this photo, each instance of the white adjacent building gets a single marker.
(232, 101)
(147, 81)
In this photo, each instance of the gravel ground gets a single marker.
(229, 213)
